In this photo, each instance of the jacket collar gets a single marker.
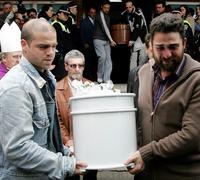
(32, 72)
(189, 66)
(63, 83)
(3, 68)
(177, 73)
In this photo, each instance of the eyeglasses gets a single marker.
(75, 65)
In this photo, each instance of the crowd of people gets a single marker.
(87, 37)
(42, 53)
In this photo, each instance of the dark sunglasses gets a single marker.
(75, 65)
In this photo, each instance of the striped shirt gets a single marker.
(160, 84)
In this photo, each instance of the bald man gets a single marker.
(30, 141)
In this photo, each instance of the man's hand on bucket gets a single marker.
(135, 163)
(80, 168)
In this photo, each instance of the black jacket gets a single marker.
(87, 30)
(64, 39)
(137, 24)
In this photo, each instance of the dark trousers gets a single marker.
(90, 71)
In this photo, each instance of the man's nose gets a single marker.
(166, 53)
(18, 59)
(51, 51)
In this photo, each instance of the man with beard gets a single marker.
(74, 65)
(168, 107)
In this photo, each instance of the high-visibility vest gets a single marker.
(73, 21)
(62, 26)
(187, 22)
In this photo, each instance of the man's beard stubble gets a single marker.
(171, 64)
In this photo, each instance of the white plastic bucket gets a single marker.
(104, 139)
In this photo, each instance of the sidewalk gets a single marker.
(114, 175)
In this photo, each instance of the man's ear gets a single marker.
(184, 42)
(24, 43)
(66, 66)
(3, 59)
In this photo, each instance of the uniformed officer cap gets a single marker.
(71, 4)
(64, 8)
